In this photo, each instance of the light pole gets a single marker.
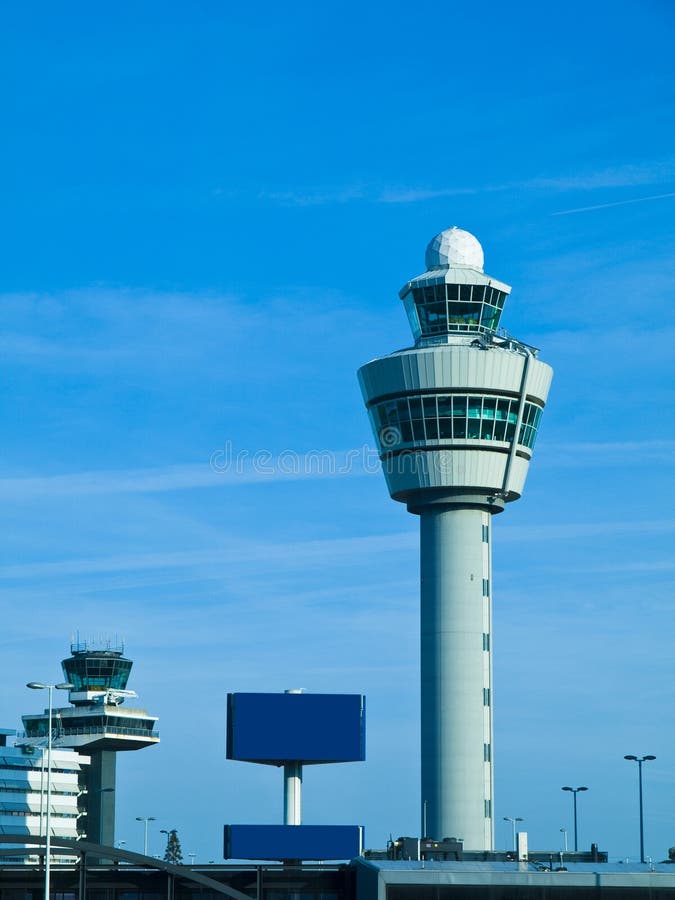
(564, 834)
(513, 820)
(575, 791)
(639, 760)
(145, 820)
(192, 858)
(39, 686)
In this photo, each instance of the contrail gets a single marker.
(568, 212)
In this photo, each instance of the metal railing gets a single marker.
(97, 729)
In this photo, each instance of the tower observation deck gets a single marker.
(455, 418)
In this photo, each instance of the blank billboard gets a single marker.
(307, 728)
(293, 841)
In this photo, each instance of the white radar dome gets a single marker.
(454, 248)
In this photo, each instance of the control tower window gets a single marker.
(464, 314)
(447, 308)
(90, 672)
(430, 418)
(419, 420)
(528, 429)
(473, 430)
(489, 317)
(413, 318)
(487, 421)
(433, 318)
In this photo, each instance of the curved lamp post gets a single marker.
(575, 791)
(639, 760)
(39, 686)
(513, 820)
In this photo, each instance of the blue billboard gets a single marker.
(293, 841)
(306, 728)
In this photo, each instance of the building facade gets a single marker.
(23, 791)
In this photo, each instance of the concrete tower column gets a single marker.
(101, 797)
(293, 785)
(456, 676)
(293, 793)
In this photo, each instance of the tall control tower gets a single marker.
(456, 418)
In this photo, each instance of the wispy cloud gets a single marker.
(418, 194)
(623, 176)
(618, 453)
(582, 530)
(104, 330)
(237, 553)
(582, 209)
(316, 197)
(232, 553)
(227, 468)
(629, 175)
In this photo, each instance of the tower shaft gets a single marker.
(456, 675)
(101, 797)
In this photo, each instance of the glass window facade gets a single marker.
(451, 417)
(446, 308)
(92, 672)
(98, 724)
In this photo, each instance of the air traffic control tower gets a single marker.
(97, 726)
(456, 418)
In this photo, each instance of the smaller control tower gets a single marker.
(97, 726)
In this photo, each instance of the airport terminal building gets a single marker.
(361, 879)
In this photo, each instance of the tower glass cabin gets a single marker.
(455, 418)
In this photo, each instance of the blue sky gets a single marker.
(207, 214)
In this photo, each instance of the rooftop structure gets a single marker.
(456, 418)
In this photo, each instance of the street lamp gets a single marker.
(513, 820)
(575, 791)
(639, 760)
(39, 686)
(145, 820)
(192, 858)
(564, 834)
